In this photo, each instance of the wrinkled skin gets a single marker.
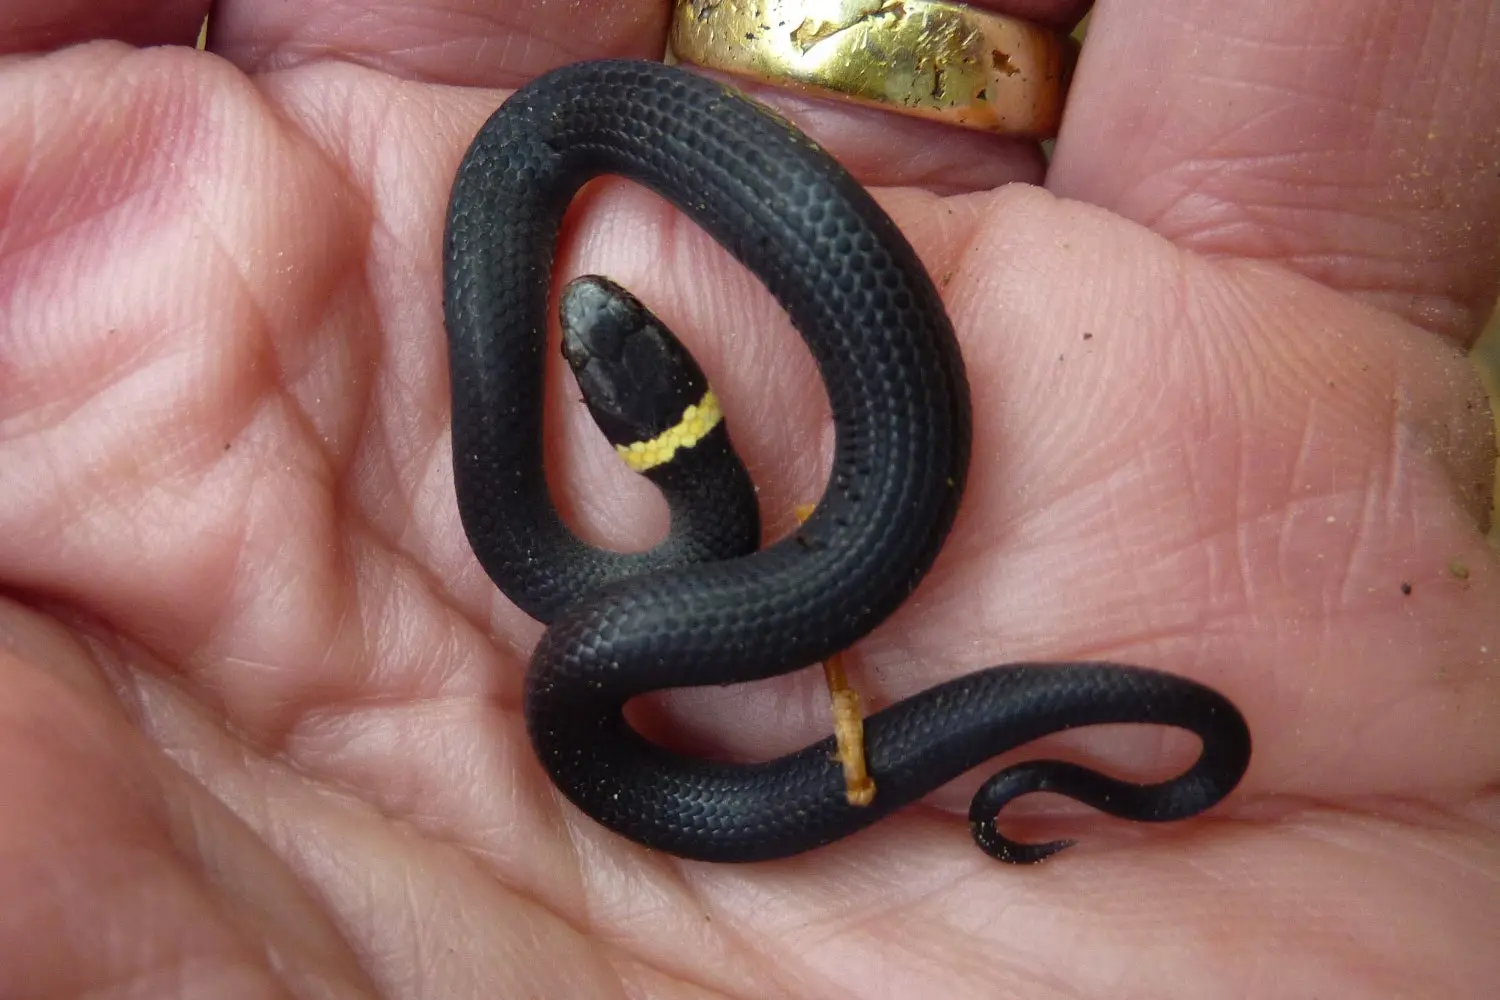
(259, 725)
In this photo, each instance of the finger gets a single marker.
(499, 44)
(1353, 142)
(40, 25)
(505, 44)
(884, 148)
(492, 43)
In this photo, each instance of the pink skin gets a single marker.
(260, 717)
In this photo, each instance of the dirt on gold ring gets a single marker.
(927, 58)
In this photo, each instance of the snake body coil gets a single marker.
(696, 609)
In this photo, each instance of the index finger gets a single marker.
(479, 43)
(501, 43)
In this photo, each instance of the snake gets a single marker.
(710, 604)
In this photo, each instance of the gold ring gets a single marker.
(928, 58)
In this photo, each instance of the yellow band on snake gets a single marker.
(697, 420)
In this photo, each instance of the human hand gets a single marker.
(261, 722)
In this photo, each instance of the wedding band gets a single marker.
(927, 58)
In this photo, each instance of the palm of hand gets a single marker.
(261, 710)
